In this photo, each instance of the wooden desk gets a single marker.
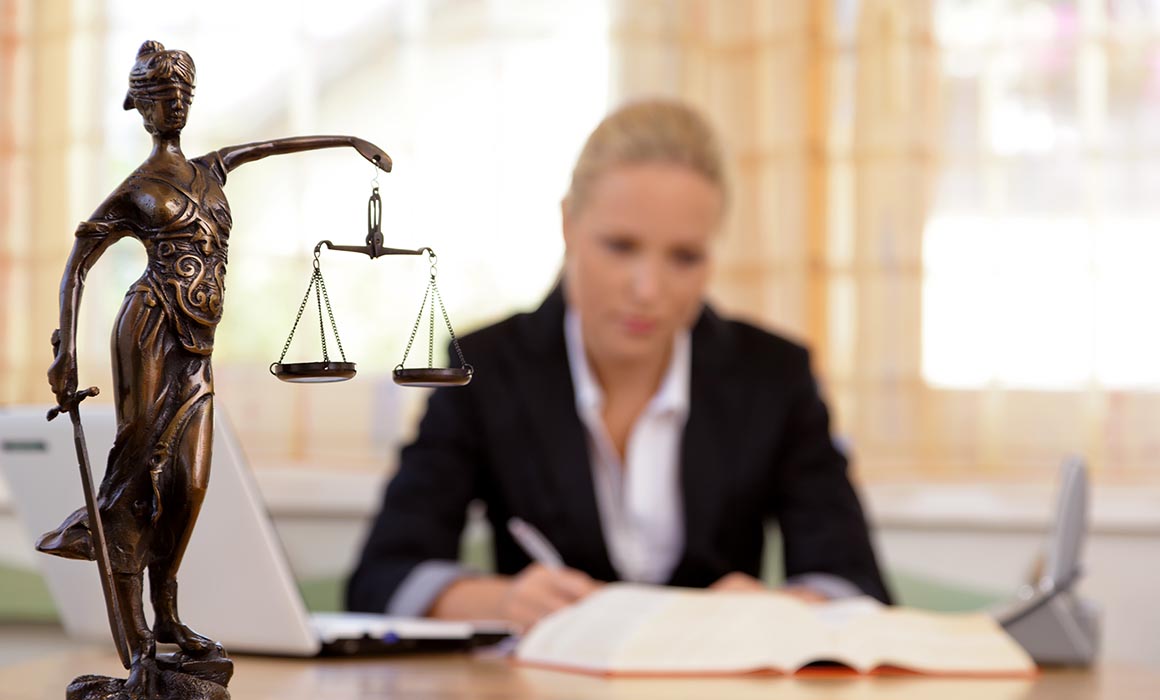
(462, 676)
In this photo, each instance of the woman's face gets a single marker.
(165, 111)
(637, 257)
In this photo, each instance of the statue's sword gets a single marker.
(96, 528)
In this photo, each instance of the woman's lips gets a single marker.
(636, 325)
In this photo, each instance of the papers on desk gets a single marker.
(354, 633)
(630, 629)
(335, 626)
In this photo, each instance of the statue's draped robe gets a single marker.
(163, 383)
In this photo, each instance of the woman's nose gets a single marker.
(646, 280)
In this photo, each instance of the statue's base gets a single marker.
(181, 678)
(215, 669)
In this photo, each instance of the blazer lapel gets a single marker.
(570, 504)
(708, 450)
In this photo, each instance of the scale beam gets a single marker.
(373, 249)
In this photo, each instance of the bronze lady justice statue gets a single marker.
(163, 337)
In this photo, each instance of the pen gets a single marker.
(535, 544)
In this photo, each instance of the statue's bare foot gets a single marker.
(192, 643)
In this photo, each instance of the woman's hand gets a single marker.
(521, 600)
(538, 591)
(737, 581)
(803, 593)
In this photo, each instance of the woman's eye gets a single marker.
(618, 244)
(688, 257)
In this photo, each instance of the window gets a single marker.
(1040, 253)
(483, 107)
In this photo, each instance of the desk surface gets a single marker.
(463, 676)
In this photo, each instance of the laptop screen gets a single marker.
(235, 584)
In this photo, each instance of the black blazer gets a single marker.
(756, 447)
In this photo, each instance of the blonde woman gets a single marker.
(646, 437)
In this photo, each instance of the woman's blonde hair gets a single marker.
(649, 131)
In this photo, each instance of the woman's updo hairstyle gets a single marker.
(649, 131)
(156, 69)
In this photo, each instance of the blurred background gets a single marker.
(952, 202)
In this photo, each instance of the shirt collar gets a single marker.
(672, 394)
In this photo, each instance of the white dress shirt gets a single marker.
(639, 498)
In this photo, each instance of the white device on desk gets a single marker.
(235, 583)
(1048, 619)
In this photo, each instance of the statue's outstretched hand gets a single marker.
(373, 153)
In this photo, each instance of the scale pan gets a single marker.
(313, 372)
(433, 377)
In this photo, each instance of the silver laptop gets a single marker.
(236, 585)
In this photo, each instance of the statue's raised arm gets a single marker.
(234, 156)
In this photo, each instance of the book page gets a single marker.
(630, 628)
(930, 642)
(625, 628)
(586, 636)
(725, 632)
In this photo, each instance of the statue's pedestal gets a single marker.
(181, 678)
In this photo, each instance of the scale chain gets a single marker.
(432, 286)
(415, 328)
(297, 319)
(321, 322)
(330, 313)
(447, 320)
(319, 286)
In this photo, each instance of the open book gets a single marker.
(648, 630)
